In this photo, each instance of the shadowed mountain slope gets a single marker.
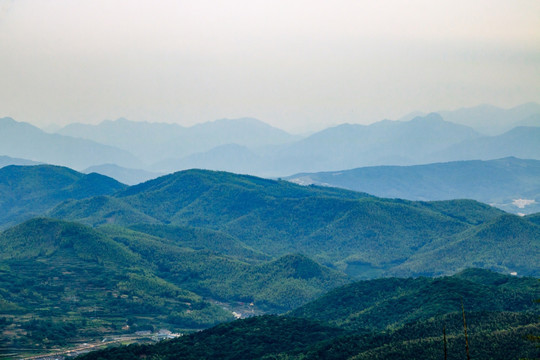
(393, 302)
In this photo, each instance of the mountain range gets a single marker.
(357, 233)
(418, 141)
(510, 184)
(7, 160)
(87, 256)
(156, 142)
(249, 146)
(194, 248)
(492, 120)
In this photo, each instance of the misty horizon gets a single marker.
(299, 66)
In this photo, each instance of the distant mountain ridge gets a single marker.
(522, 142)
(122, 174)
(249, 146)
(155, 142)
(491, 120)
(422, 140)
(23, 140)
(7, 160)
(384, 142)
(498, 182)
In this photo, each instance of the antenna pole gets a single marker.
(465, 329)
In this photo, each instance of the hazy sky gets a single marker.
(298, 65)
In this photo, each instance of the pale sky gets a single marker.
(298, 65)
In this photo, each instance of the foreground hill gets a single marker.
(497, 336)
(392, 302)
(27, 191)
(412, 313)
(499, 182)
(356, 233)
(79, 283)
(23, 140)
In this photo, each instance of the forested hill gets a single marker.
(77, 282)
(362, 235)
(353, 232)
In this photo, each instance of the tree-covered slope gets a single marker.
(97, 281)
(498, 336)
(491, 335)
(507, 244)
(253, 338)
(67, 273)
(27, 191)
(220, 273)
(392, 302)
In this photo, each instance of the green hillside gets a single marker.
(277, 286)
(62, 274)
(503, 244)
(185, 250)
(201, 239)
(363, 236)
(28, 191)
(252, 338)
(61, 282)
